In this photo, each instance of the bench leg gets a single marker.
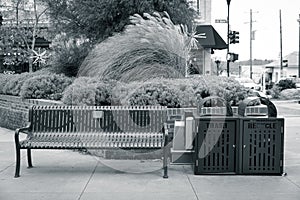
(29, 158)
(165, 165)
(165, 159)
(18, 162)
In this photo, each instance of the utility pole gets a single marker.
(251, 43)
(299, 50)
(228, 30)
(251, 38)
(281, 60)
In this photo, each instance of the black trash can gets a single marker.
(262, 140)
(216, 138)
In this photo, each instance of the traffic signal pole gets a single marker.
(299, 49)
(251, 43)
(228, 30)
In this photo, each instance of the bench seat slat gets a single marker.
(92, 140)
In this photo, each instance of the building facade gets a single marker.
(290, 68)
(208, 38)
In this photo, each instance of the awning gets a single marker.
(208, 37)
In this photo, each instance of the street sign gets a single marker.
(220, 21)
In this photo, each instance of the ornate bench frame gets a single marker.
(94, 127)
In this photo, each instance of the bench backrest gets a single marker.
(97, 118)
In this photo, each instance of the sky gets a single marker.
(266, 24)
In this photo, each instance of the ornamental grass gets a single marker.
(150, 47)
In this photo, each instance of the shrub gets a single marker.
(87, 91)
(4, 78)
(68, 55)
(286, 84)
(198, 87)
(275, 92)
(290, 94)
(184, 92)
(154, 94)
(50, 86)
(14, 84)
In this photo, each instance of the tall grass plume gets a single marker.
(150, 47)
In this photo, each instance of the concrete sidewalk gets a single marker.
(64, 175)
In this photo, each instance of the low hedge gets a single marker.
(49, 86)
(290, 94)
(181, 92)
(185, 92)
(14, 84)
(4, 78)
(155, 94)
(87, 91)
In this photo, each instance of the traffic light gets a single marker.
(232, 57)
(285, 63)
(234, 37)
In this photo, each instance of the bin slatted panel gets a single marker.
(216, 142)
(263, 146)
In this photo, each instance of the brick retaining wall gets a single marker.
(14, 110)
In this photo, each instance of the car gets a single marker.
(249, 83)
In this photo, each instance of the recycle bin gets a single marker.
(216, 138)
(262, 139)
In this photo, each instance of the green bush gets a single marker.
(286, 84)
(14, 84)
(290, 94)
(154, 94)
(184, 92)
(4, 78)
(198, 87)
(87, 91)
(275, 92)
(68, 54)
(49, 86)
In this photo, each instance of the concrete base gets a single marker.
(182, 157)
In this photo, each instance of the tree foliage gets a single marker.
(21, 27)
(98, 20)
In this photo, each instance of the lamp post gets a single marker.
(299, 50)
(228, 30)
(218, 66)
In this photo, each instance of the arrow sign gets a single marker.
(220, 21)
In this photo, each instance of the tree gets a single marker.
(98, 20)
(18, 34)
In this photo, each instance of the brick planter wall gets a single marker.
(14, 110)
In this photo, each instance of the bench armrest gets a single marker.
(21, 130)
(166, 134)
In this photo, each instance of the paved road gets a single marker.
(288, 108)
(69, 175)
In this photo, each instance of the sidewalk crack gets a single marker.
(92, 174)
(193, 188)
(298, 186)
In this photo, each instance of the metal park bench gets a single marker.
(93, 127)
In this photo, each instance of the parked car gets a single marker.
(249, 83)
